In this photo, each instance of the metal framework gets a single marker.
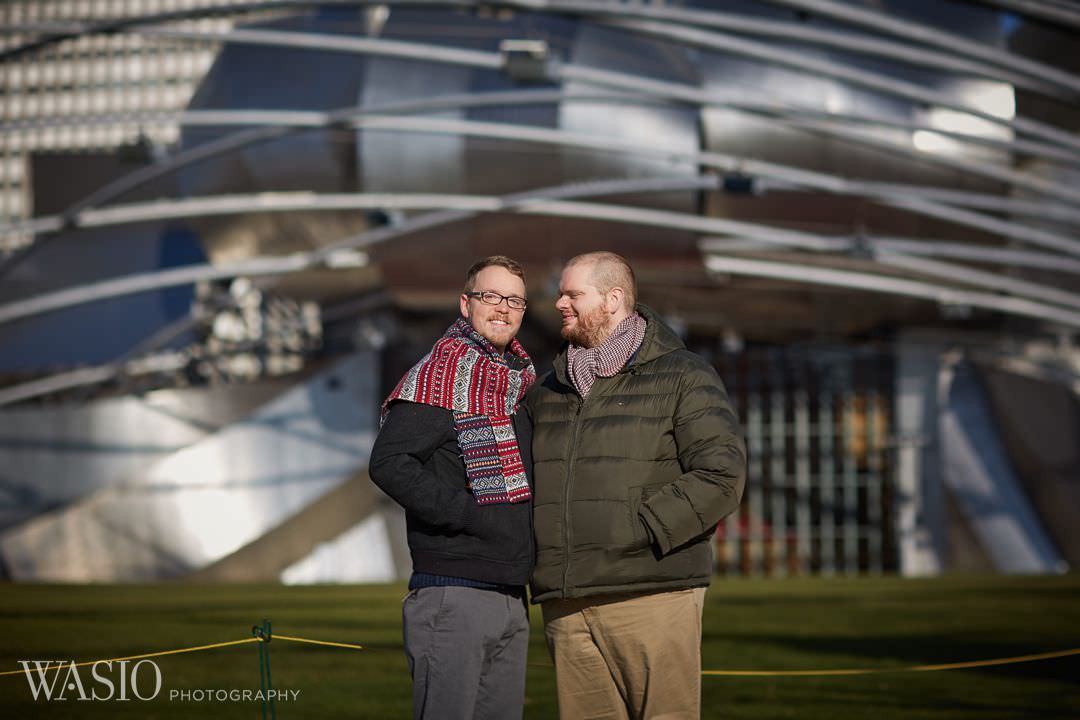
(924, 35)
(757, 51)
(1054, 11)
(548, 202)
(990, 60)
(658, 90)
(88, 213)
(633, 84)
(818, 499)
(900, 197)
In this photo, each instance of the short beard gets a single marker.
(590, 330)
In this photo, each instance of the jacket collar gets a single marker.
(659, 341)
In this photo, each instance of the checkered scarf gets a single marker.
(584, 365)
(464, 373)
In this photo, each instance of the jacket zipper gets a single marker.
(572, 455)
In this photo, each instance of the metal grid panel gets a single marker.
(86, 76)
(818, 493)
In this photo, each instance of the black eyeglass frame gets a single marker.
(479, 294)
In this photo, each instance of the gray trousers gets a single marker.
(466, 649)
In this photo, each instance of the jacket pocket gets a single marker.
(640, 536)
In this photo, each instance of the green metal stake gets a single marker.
(263, 633)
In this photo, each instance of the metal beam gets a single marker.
(1057, 13)
(128, 364)
(878, 82)
(548, 202)
(135, 362)
(924, 247)
(1039, 81)
(1043, 186)
(1066, 214)
(1004, 228)
(727, 163)
(888, 285)
(924, 35)
(978, 278)
(686, 94)
(471, 58)
(305, 201)
(802, 33)
(146, 282)
(640, 84)
(832, 124)
(759, 51)
(272, 123)
(730, 163)
(199, 207)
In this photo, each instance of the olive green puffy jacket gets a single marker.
(657, 446)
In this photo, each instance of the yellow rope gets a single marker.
(916, 668)
(713, 673)
(319, 642)
(146, 655)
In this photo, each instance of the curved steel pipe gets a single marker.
(916, 32)
(884, 284)
(1056, 13)
(291, 121)
(478, 59)
(834, 124)
(990, 59)
(548, 202)
(728, 163)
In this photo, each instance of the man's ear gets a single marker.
(614, 299)
(464, 304)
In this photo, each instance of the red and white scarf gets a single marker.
(584, 365)
(464, 373)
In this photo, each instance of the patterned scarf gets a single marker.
(584, 365)
(466, 374)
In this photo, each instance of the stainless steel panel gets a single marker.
(212, 497)
(362, 554)
(400, 162)
(609, 49)
(321, 160)
(769, 139)
(50, 457)
(983, 484)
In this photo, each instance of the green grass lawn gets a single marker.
(797, 624)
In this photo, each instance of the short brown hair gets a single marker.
(492, 261)
(609, 270)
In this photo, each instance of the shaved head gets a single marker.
(608, 270)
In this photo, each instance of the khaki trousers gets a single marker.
(619, 657)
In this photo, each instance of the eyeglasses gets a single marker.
(493, 298)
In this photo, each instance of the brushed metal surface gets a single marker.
(210, 498)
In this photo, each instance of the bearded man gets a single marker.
(454, 451)
(637, 457)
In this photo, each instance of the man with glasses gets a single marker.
(637, 458)
(454, 450)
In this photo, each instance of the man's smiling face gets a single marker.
(586, 316)
(498, 323)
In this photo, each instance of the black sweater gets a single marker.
(416, 460)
